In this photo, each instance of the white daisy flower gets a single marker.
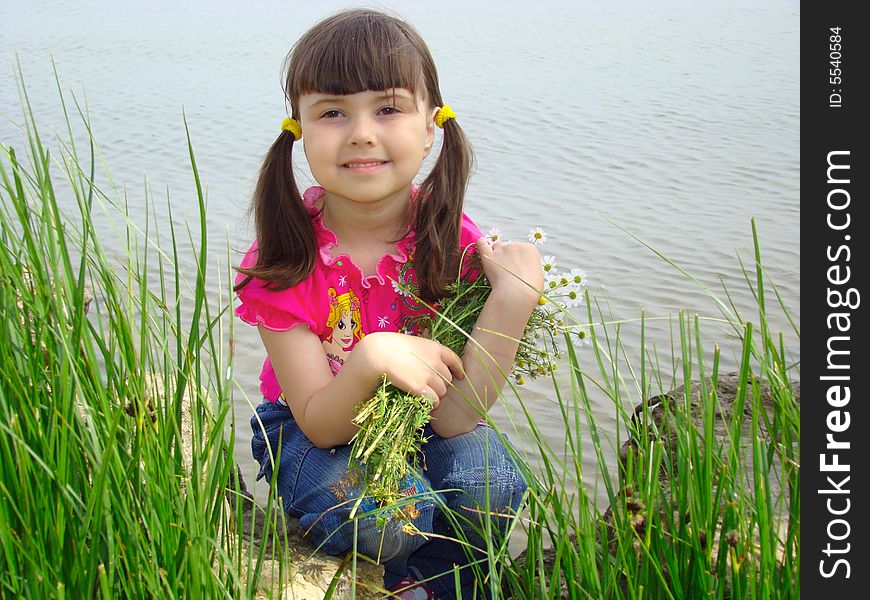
(577, 277)
(551, 281)
(572, 297)
(537, 236)
(494, 234)
(383, 321)
(548, 263)
(580, 337)
(342, 281)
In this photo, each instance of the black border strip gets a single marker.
(834, 194)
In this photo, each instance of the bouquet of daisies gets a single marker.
(391, 423)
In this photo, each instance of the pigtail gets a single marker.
(438, 216)
(287, 247)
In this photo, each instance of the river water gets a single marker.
(677, 121)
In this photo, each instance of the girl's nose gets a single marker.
(362, 132)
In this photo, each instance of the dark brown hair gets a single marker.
(355, 51)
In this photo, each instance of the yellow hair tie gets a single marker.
(292, 125)
(444, 113)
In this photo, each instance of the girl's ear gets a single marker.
(430, 131)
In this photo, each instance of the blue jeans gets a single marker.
(473, 477)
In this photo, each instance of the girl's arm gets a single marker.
(323, 405)
(514, 271)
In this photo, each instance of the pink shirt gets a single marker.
(337, 302)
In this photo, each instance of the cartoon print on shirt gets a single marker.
(344, 327)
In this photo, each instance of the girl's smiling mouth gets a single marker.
(364, 166)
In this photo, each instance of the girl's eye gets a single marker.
(352, 323)
(341, 325)
(389, 110)
(330, 114)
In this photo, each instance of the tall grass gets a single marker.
(99, 499)
(706, 503)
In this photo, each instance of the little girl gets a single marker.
(326, 285)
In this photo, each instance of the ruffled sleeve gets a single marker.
(469, 233)
(276, 310)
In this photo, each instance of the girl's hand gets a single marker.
(513, 269)
(414, 364)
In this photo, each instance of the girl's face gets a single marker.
(343, 331)
(366, 147)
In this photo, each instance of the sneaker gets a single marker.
(411, 589)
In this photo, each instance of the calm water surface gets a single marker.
(676, 120)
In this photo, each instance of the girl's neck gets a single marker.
(355, 223)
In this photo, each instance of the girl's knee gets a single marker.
(508, 490)
(482, 467)
(486, 500)
(496, 490)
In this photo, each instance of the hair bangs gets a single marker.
(351, 53)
